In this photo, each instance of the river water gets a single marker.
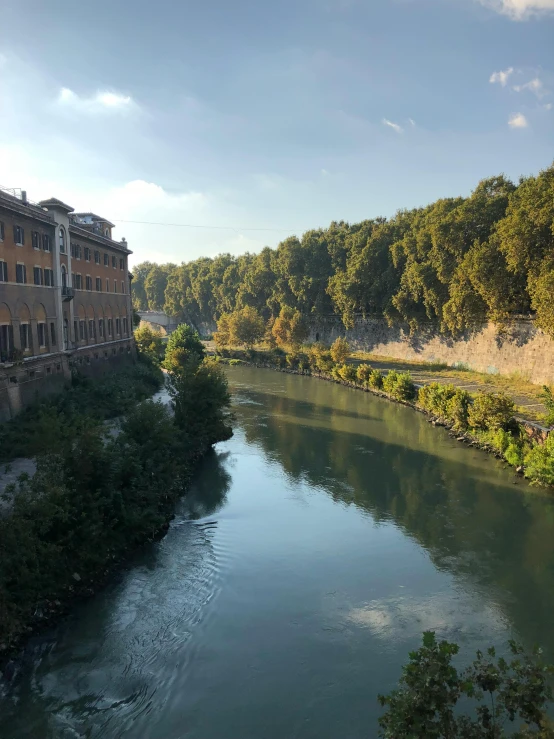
(313, 550)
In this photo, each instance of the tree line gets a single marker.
(455, 263)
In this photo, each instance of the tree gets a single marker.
(340, 350)
(149, 342)
(498, 692)
(183, 346)
(222, 336)
(140, 273)
(289, 327)
(155, 284)
(246, 327)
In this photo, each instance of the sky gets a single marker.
(264, 119)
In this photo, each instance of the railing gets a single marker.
(68, 293)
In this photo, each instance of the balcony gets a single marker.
(68, 293)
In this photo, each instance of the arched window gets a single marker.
(64, 276)
(62, 240)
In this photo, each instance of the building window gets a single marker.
(37, 275)
(110, 326)
(53, 334)
(88, 282)
(125, 327)
(121, 264)
(117, 326)
(25, 336)
(62, 239)
(41, 330)
(96, 257)
(75, 331)
(46, 245)
(1, 230)
(81, 330)
(6, 342)
(115, 286)
(87, 254)
(3, 271)
(20, 273)
(114, 262)
(107, 285)
(76, 251)
(78, 281)
(122, 287)
(48, 277)
(106, 260)
(35, 239)
(98, 284)
(91, 330)
(101, 328)
(18, 235)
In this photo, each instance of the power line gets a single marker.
(192, 225)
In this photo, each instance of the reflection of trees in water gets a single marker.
(209, 488)
(466, 513)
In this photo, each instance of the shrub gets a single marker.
(508, 445)
(376, 379)
(493, 692)
(539, 462)
(347, 372)
(340, 350)
(399, 385)
(491, 411)
(435, 398)
(363, 373)
(457, 409)
(150, 342)
(336, 372)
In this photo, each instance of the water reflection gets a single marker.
(460, 505)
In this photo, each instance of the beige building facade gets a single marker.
(64, 297)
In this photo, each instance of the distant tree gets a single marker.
(340, 350)
(150, 342)
(155, 284)
(222, 336)
(140, 273)
(184, 347)
(246, 327)
(289, 328)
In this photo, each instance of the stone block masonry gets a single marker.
(521, 348)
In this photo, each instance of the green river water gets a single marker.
(313, 550)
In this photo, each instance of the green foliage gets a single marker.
(548, 400)
(340, 350)
(495, 692)
(399, 385)
(455, 262)
(222, 336)
(539, 462)
(289, 327)
(363, 373)
(150, 342)
(491, 411)
(347, 372)
(376, 379)
(446, 401)
(183, 346)
(245, 326)
(43, 426)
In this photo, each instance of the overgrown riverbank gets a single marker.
(96, 496)
(484, 420)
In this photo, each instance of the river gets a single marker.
(313, 550)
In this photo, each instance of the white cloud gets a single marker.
(103, 100)
(534, 86)
(519, 10)
(517, 120)
(411, 122)
(394, 126)
(501, 77)
(548, 106)
(324, 173)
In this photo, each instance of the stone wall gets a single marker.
(522, 348)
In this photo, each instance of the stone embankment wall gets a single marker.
(521, 348)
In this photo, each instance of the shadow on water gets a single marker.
(458, 503)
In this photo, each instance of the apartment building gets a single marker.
(64, 297)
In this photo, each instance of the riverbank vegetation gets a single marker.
(483, 418)
(97, 494)
(455, 263)
(500, 697)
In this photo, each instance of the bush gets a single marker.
(340, 350)
(457, 409)
(491, 411)
(399, 385)
(376, 379)
(150, 342)
(493, 692)
(548, 400)
(539, 462)
(446, 401)
(347, 372)
(509, 446)
(363, 373)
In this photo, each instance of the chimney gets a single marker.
(24, 197)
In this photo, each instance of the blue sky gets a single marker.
(260, 115)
